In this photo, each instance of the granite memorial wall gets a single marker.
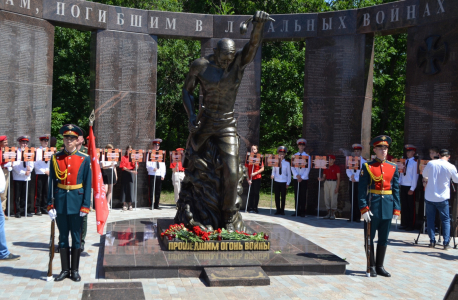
(123, 88)
(338, 71)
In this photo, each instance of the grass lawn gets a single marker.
(264, 199)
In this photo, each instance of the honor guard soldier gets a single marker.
(382, 203)
(156, 172)
(21, 175)
(353, 176)
(70, 177)
(41, 178)
(301, 176)
(408, 181)
(6, 168)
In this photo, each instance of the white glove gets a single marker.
(395, 217)
(82, 214)
(52, 214)
(367, 216)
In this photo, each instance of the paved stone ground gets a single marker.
(417, 271)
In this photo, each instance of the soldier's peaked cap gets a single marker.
(282, 149)
(410, 147)
(301, 141)
(357, 147)
(157, 141)
(23, 138)
(381, 140)
(71, 130)
(45, 137)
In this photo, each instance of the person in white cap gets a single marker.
(41, 181)
(282, 179)
(301, 176)
(408, 181)
(353, 177)
(156, 173)
(21, 175)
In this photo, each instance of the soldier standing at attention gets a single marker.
(70, 177)
(382, 203)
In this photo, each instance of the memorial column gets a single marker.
(337, 104)
(123, 88)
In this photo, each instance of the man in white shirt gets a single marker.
(353, 177)
(5, 255)
(156, 173)
(282, 179)
(41, 172)
(21, 178)
(437, 194)
(408, 181)
(301, 176)
(6, 168)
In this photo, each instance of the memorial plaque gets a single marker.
(124, 94)
(248, 101)
(26, 59)
(32, 8)
(173, 24)
(432, 87)
(127, 19)
(84, 15)
(337, 23)
(387, 18)
(337, 98)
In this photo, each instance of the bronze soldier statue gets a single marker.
(210, 194)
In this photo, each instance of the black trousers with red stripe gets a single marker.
(41, 193)
(20, 188)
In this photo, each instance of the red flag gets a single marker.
(100, 196)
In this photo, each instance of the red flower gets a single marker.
(219, 230)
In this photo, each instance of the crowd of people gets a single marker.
(437, 192)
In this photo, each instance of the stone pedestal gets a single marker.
(123, 88)
(337, 104)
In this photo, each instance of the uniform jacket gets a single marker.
(380, 177)
(150, 166)
(78, 166)
(303, 172)
(356, 172)
(19, 170)
(41, 166)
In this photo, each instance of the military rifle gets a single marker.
(51, 241)
(368, 242)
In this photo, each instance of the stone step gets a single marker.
(236, 276)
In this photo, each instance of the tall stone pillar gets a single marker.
(248, 101)
(26, 63)
(337, 105)
(432, 95)
(123, 88)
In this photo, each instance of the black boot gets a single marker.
(65, 263)
(75, 264)
(381, 250)
(372, 262)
